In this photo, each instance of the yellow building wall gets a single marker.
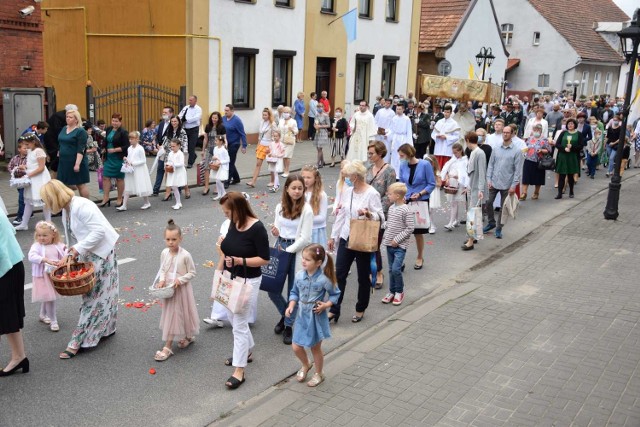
(412, 82)
(77, 48)
(325, 41)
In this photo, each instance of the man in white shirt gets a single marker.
(445, 133)
(363, 129)
(399, 133)
(191, 116)
(495, 139)
(383, 122)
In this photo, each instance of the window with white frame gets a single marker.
(607, 83)
(507, 33)
(543, 80)
(392, 10)
(388, 81)
(284, 3)
(596, 83)
(364, 9)
(363, 77)
(282, 77)
(536, 38)
(584, 83)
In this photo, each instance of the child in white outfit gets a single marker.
(222, 159)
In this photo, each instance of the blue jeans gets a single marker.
(277, 298)
(20, 203)
(612, 160)
(159, 177)
(396, 259)
(592, 162)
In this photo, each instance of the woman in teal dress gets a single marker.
(116, 144)
(570, 143)
(73, 167)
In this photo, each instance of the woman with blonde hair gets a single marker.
(359, 200)
(265, 137)
(95, 243)
(73, 167)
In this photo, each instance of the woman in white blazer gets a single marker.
(95, 242)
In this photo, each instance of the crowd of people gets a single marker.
(395, 164)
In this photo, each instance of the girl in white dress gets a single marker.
(178, 176)
(276, 154)
(454, 173)
(39, 175)
(222, 159)
(138, 182)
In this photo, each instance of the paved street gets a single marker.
(543, 333)
(189, 389)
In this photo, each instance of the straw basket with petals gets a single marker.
(73, 278)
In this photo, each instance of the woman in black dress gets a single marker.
(12, 297)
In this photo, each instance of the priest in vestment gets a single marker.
(363, 129)
(400, 133)
(445, 133)
(466, 120)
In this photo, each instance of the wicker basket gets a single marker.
(168, 168)
(450, 190)
(71, 286)
(214, 166)
(163, 293)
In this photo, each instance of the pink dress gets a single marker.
(43, 290)
(179, 313)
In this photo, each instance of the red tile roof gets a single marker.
(439, 20)
(574, 19)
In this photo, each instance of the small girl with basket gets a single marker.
(312, 323)
(176, 172)
(137, 180)
(38, 173)
(44, 255)
(276, 154)
(179, 311)
(220, 164)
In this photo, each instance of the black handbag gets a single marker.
(547, 162)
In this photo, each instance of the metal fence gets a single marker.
(137, 101)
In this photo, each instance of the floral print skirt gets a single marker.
(99, 308)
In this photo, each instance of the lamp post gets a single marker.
(629, 40)
(484, 58)
(573, 84)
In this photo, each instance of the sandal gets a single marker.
(186, 342)
(68, 354)
(45, 320)
(535, 196)
(229, 361)
(316, 379)
(233, 383)
(356, 318)
(163, 355)
(380, 283)
(417, 266)
(250, 184)
(302, 373)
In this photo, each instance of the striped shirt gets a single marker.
(399, 226)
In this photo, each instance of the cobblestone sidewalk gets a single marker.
(547, 334)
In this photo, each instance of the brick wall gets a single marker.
(20, 45)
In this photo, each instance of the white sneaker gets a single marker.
(449, 226)
(432, 229)
(213, 322)
(146, 206)
(216, 198)
(177, 206)
(21, 227)
(122, 208)
(285, 175)
(54, 327)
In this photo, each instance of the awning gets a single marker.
(512, 63)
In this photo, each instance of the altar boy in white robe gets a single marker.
(399, 133)
(445, 133)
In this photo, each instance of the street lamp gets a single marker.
(574, 84)
(484, 58)
(629, 40)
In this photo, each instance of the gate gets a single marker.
(137, 101)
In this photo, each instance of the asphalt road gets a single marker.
(111, 385)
